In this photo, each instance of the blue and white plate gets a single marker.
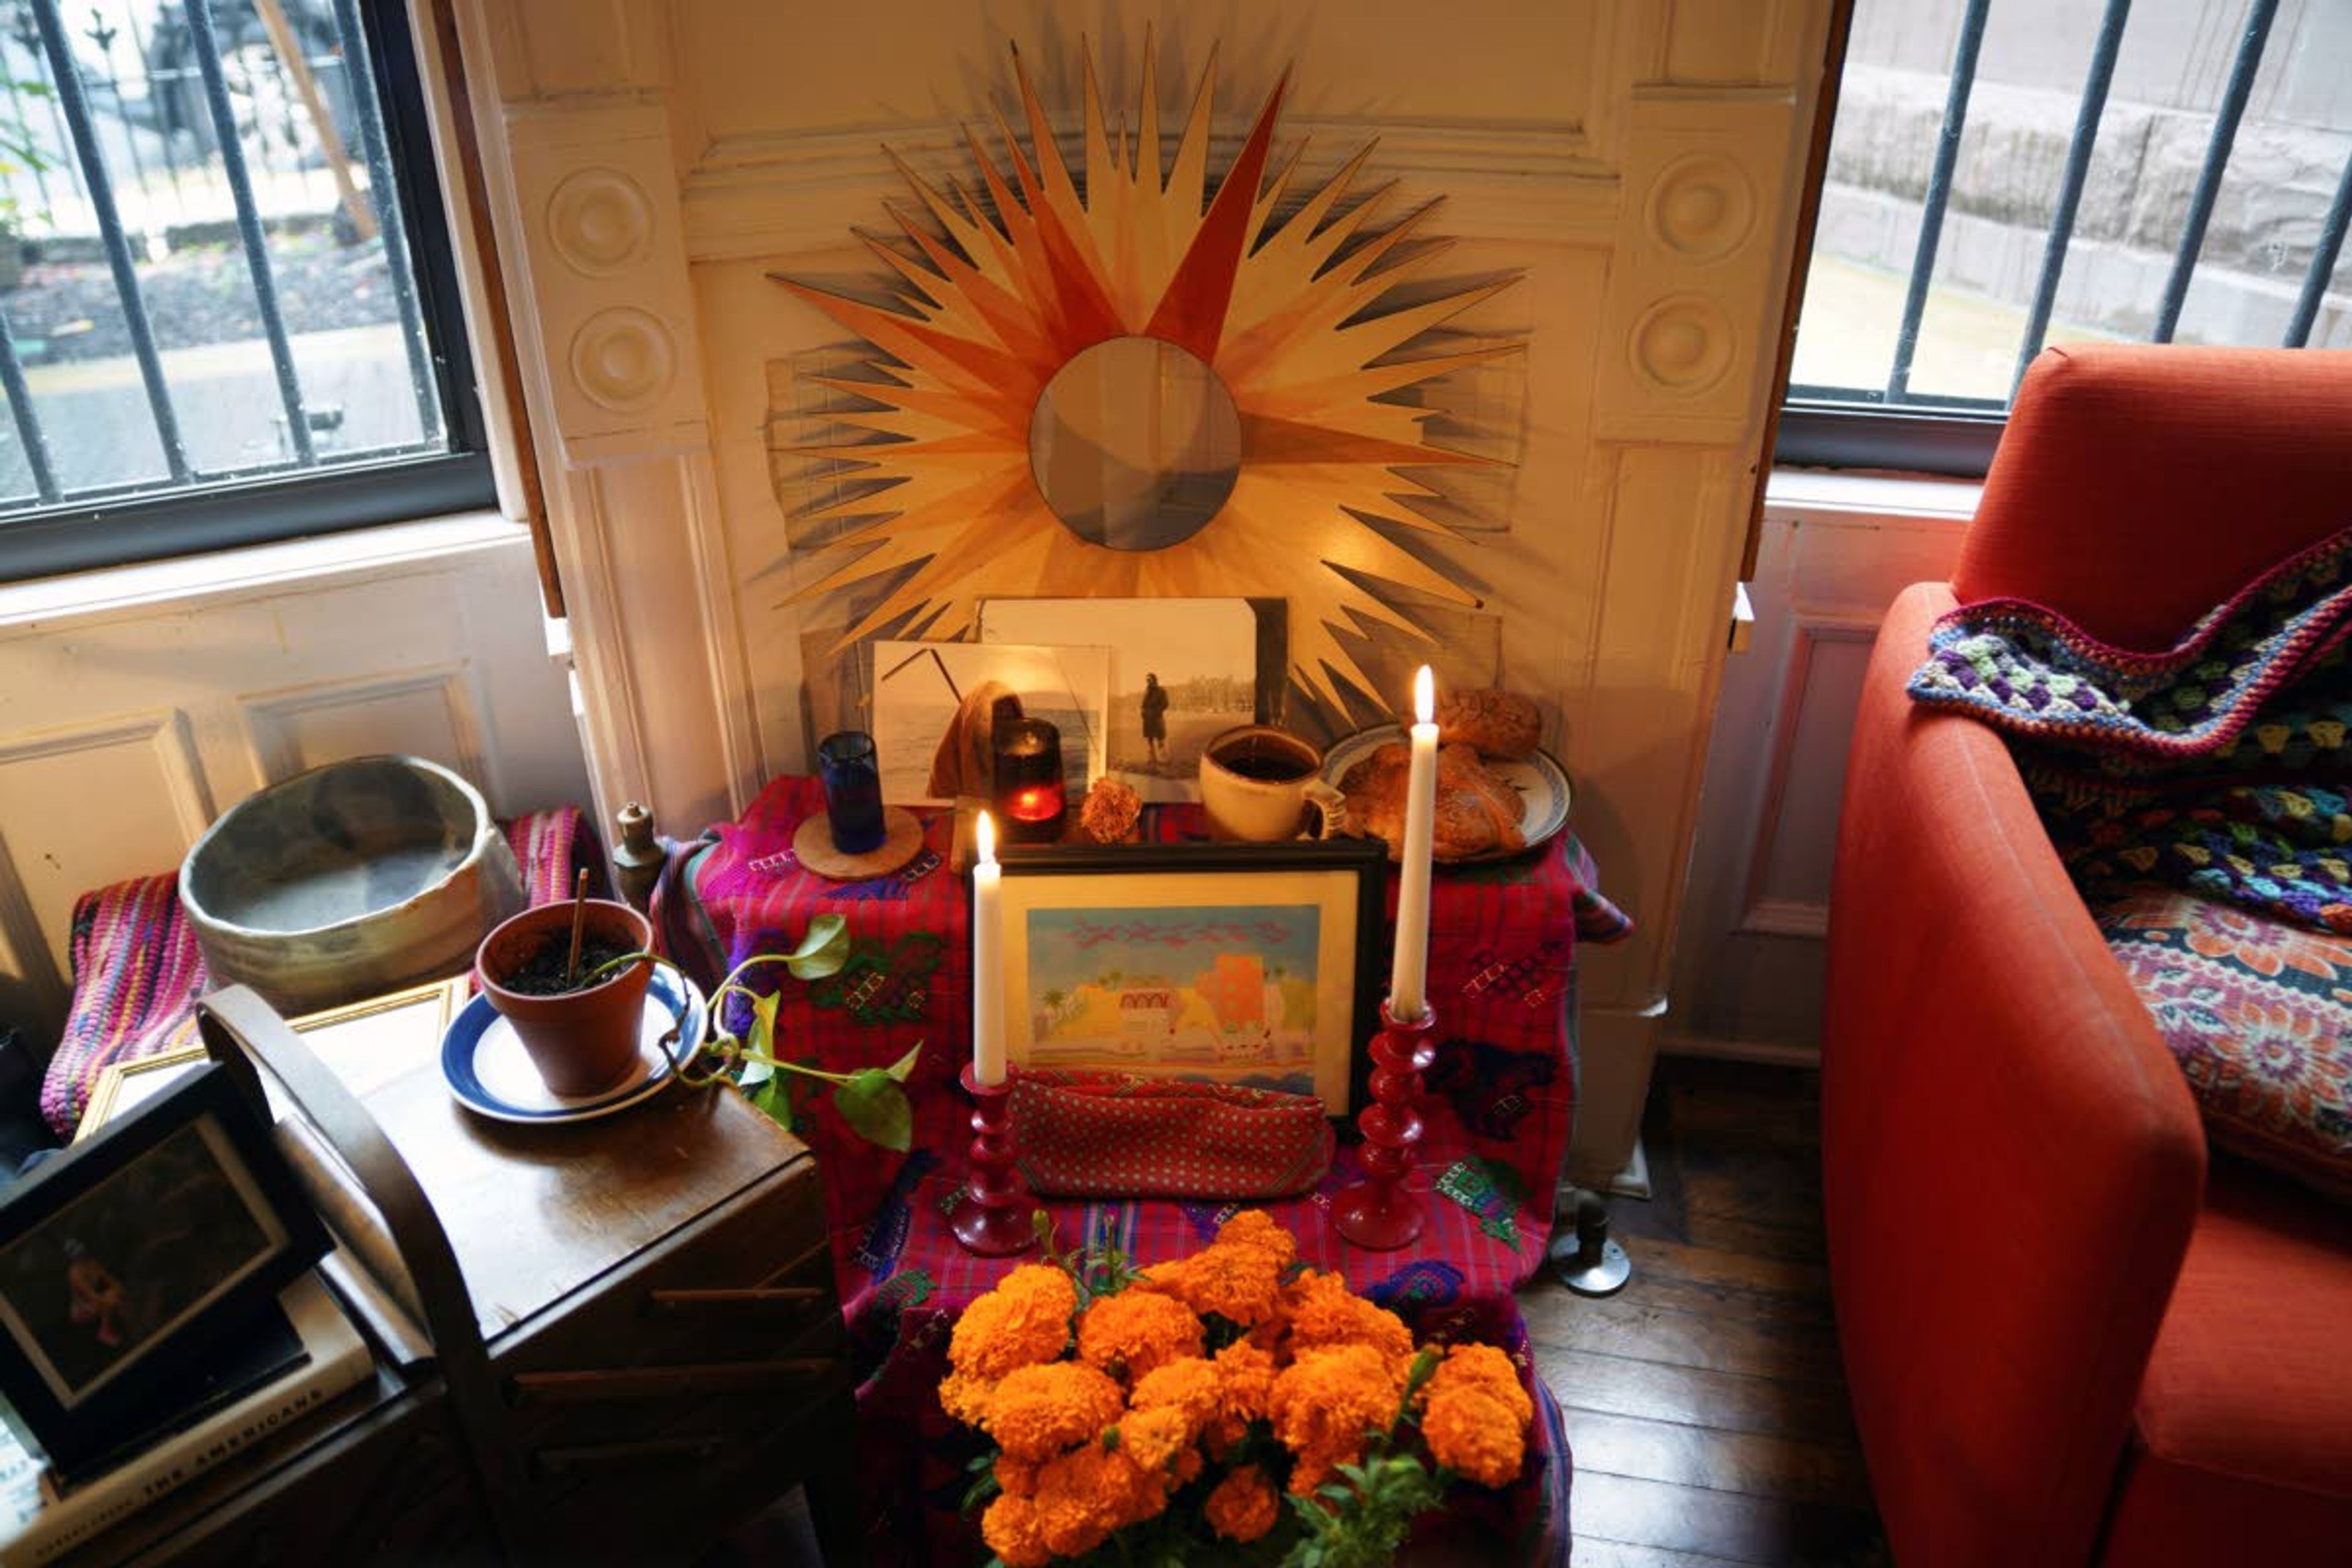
(1539, 782)
(490, 1073)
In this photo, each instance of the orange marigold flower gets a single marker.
(1129, 1334)
(1187, 1385)
(1324, 1312)
(1240, 1284)
(1010, 1527)
(1022, 1322)
(1474, 1434)
(965, 1397)
(1327, 1401)
(1245, 1389)
(1187, 1467)
(1084, 1495)
(1242, 1506)
(1153, 1437)
(1016, 1478)
(1039, 1411)
(1487, 1370)
(1257, 1229)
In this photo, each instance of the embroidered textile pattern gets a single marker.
(1484, 1187)
(2218, 765)
(882, 984)
(2259, 1016)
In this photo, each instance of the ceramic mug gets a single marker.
(1256, 779)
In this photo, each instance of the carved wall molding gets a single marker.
(449, 694)
(162, 733)
(791, 192)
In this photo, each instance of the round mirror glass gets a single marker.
(1135, 444)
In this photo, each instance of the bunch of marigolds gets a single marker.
(1231, 1407)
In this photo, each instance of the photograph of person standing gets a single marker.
(1155, 717)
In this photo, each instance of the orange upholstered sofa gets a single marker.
(2070, 1336)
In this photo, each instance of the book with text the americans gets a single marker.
(39, 1522)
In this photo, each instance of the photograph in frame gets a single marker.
(1182, 671)
(925, 692)
(1253, 969)
(126, 1260)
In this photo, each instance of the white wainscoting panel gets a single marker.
(1748, 970)
(432, 714)
(129, 721)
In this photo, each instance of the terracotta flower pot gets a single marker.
(581, 1042)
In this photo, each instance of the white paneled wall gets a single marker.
(163, 695)
(1634, 162)
(1835, 553)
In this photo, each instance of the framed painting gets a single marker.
(1256, 965)
(135, 1254)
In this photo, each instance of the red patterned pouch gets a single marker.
(1115, 1135)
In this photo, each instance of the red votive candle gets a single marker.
(1030, 795)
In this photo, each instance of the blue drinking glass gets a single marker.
(852, 791)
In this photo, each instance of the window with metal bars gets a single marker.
(228, 308)
(2004, 177)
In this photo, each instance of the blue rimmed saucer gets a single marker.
(490, 1073)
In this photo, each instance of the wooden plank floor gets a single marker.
(1704, 1404)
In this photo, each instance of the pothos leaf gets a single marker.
(906, 1064)
(875, 1107)
(824, 949)
(773, 1099)
(761, 1037)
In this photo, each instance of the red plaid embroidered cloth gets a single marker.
(1499, 1109)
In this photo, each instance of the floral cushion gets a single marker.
(2259, 1014)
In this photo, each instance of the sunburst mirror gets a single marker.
(1119, 384)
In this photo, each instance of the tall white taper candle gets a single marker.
(987, 960)
(1408, 974)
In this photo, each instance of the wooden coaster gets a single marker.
(812, 847)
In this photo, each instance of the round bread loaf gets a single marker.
(1497, 723)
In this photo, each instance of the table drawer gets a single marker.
(732, 1286)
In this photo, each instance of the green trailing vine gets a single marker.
(872, 1100)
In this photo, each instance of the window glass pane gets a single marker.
(2269, 198)
(240, 146)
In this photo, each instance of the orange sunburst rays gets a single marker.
(997, 288)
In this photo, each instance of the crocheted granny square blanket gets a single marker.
(2218, 764)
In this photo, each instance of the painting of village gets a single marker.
(1226, 994)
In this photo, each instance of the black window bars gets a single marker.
(190, 81)
(1896, 427)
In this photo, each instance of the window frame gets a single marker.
(222, 513)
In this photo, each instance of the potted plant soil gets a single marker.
(577, 1008)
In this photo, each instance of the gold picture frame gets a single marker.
(352, 1039)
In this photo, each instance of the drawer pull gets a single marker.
(661, 1383)
(776, 1298)
(550, 1463)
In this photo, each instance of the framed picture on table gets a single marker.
(367, 1043)
(1256, 965)
(133, 1256)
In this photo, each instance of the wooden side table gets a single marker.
(623, 1337)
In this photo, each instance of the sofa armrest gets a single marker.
(2011, 1163)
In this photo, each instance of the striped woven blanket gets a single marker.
(2218, 764)
(136, 972)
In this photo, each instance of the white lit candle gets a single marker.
(987, 960)
(1408, 974)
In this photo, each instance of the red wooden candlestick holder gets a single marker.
(1378, 1212)
(993, 1220)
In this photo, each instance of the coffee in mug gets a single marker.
(1255, 782)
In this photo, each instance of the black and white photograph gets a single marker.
(1182, 672)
